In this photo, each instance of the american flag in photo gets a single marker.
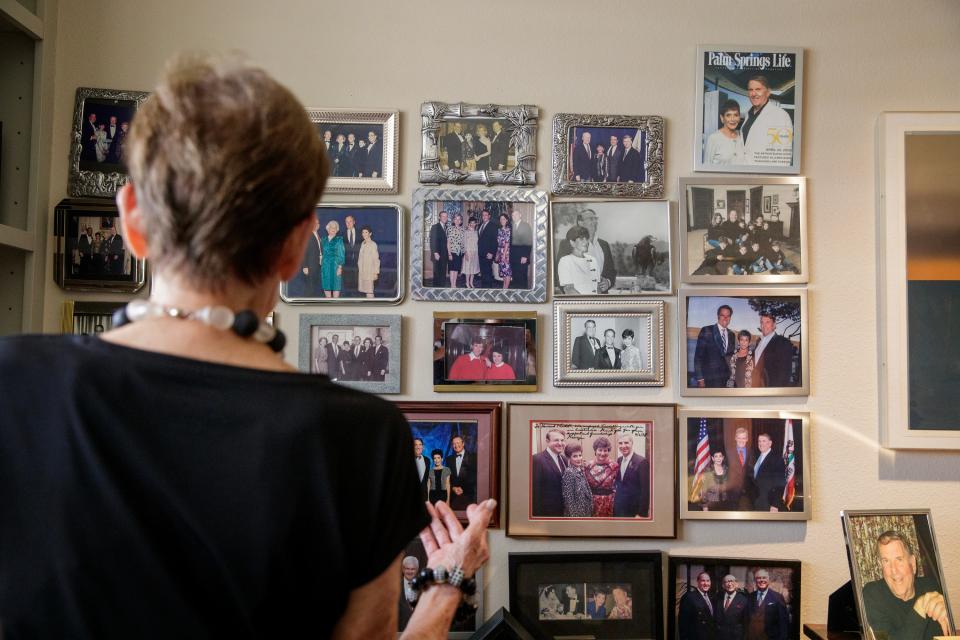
(701, 462)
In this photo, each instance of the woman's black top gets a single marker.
(144, 495)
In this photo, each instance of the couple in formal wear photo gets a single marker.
(470, 145)
(565, 484)
(104, 137)
(449, 473)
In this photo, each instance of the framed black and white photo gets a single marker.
(748, 111)
(745, 465)
(733, 598)
(597, 155)
(485, 351)
(90, 253)
(591, 470)
(614, 248)
(743, 230)
(101, 122)
(362, 147)
(478, 143)
(86, 318)
(359, 351)
(897, 575)
(354, 256)
(601, 343)
(743, 342)
(479, 245)
(601, 594)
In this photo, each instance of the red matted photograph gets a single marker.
(591, 470)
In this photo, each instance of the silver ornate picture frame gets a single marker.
(631, 171)
(375, 371)
(369, 162)
(525, 211)
(101, 119)
(717, 250)
(478, 143)
(608, 343)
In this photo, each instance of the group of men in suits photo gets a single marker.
(606, 154)
(732, 612)
(354, 151)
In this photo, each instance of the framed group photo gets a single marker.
(743, 231)
(479, 245)
(359, 351)
(355, 255)
(591, 470)
(442, 433)
(743, 342)
(610, 248)
(897, 574)
(362, 147)
(604, 343)
(91, 254)
(101, 123)
(745, 465)
(491, 352)
(588, 595)
(478, 143)
(733, 598)
(598, 155)
(748, 111)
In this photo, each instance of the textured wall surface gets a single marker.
(612, 57)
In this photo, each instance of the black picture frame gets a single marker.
(502, 625)
(679, 584)
(639, 572)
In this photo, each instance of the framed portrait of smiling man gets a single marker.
(749, 103)
(897, 577)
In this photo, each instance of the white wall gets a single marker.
(609, 57)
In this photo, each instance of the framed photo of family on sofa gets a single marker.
(745, 465)
(600, 343)
(479, 245)
(591, 470)
(744, 342)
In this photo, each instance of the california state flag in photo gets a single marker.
(789, 461)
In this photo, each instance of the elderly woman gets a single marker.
(601, 475)
(195, 486)
(331, 265)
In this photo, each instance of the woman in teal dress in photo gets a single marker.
(331, 265)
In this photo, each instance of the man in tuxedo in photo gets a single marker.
(486, 248)
(409, 569)
(715, 345)
(335, 358)
(380, 359)
(769, 619)
(85, 249)
(632, 497)
(548, 467)
(631, 162)
(499, 147)
(422, 464)
(585, 347)
(767, 477)
(521, 246)
(608, 356)
(114, 250)
(614, 154)
(90, 128)
(696, 618)
(372, 165)
(732, 611)
(307, 281)
(463, 475)
(353, 156)
(351, 252)
(439, 253)
(583, 159)
(453, 142)
(772, 357)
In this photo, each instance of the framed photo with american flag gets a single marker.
(744, 465)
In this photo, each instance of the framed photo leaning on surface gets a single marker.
(745, 465)
(600, 343)
(588, 595)
(748, 111)
(743, 342)
(469, 431)
(354, 256)
(479, 245)
(359, 351)
(596, 155)
(362, 147)
(478, 143)
(485, 351)
(101, 123)
(730, 232)
(897, 575)
(610, 248)
(591, 470)
(733, 598)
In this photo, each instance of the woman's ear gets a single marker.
(131, 222)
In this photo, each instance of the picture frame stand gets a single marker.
(842, 611)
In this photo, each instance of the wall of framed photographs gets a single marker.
(639, 59)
